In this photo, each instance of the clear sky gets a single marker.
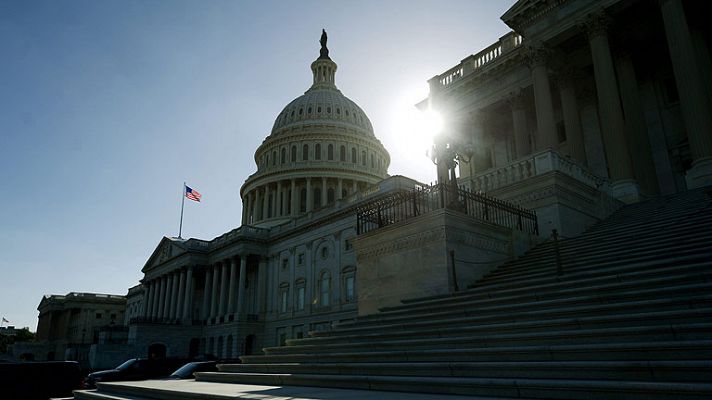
(106, 107)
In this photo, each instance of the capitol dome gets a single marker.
(321, 150)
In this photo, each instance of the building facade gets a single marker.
(69, 325)
(291, 267)
(583, 107)
(584, 104)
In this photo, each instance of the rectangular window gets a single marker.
(281, 336)
(348, 246)
(350, 289)
(284, 300)
(98, 315)
(298, 331)
(300, 298)
(285, 263)
(300, 259)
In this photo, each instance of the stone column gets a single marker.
(611, 114)
(546, 125)
(354, 187)
(293, 198)
(181, 294)
(206, 292)
(241, 285)
(278, 200)
(188, 297)
(162, 298)
(517, 103)
(635, 126)
(245, 207)
(265, 202)
(694, 102)
(262, 285)
(155, 295)
(310, 195)
(324, 198)
(223, 290)
(340, 189)
(251, 208)
(258, 204)
(572, 121)
(214, 291)
(233, 283)
(144, 303)
(174, 295)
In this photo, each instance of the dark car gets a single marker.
(135, 369)
(39, 380)
(186, 371)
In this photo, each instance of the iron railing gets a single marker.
(421, 200)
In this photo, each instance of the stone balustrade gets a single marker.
(475, 62)
(532, 165)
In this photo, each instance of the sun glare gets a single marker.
(414, 129)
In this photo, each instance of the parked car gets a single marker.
(39, 380)
(186, 371)
(135, 369)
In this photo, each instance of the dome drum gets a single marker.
(321, 149)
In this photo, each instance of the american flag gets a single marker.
(192, 194)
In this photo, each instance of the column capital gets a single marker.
(595, 24)
(565, 77)
(537, 55)
(516, 99)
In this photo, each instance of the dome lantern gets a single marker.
(323, 68)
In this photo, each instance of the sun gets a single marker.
(414, 129)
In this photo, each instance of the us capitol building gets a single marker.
(583, 107)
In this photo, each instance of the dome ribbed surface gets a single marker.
(323, 106)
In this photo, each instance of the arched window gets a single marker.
(363, 158)
(330, 152)
(372, 163)
(317, 198)
(274, 158)
(289, 203)
(303, 200)
(317, 152)
(342, 153)
(324, 289)
(266, 159)
(330, 196)
(353, 155)
(294, 153)
(284, 156)
(305, 152)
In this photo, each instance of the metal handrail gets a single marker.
(403, 205)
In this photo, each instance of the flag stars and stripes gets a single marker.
(192, 194)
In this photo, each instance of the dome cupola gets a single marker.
(321, 149)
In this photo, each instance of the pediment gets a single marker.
(167, 249)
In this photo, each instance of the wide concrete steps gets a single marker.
(505, 387)
(682, 371)
(598, 282)
(612, 351)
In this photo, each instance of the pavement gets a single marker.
(261, 392)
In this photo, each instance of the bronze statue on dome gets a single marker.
(324, 52)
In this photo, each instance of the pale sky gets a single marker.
(106, 107)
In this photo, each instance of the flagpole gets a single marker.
(182, 204)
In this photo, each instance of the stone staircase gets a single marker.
(629, 318)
